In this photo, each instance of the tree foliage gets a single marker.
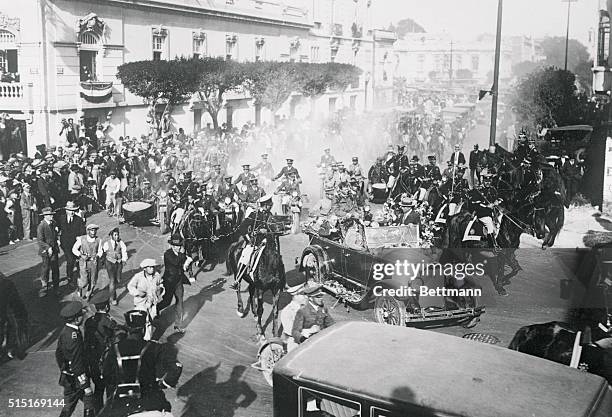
(270, 84)
(548, 97)
(406, 26)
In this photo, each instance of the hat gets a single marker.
(289, 160)
(175, 241)
(264, 155)
(148, 262)
(92, 226)
(136, 319)
(71, 309)
(70, 206)
(246, 166)
(101, 297)
(47, 211)
(327, 149)
(415, 158)
(265, 199)
(59, 165)
(253, 179)
(115, 230)
(36, 163)
(401, 147)
(431, 157)
(314, 290)
(49, 156)
(355, 159)
(298, 289)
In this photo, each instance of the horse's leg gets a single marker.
(275, 299)
(260, 311)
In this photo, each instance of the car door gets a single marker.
(334, 252)
(357, 262)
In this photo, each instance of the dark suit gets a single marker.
(47, 238)
(174, 277)
(99, 333)
(306, 317)
(68, 235)
(460, 159)
(475, 158)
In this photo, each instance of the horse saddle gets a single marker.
(251, 254)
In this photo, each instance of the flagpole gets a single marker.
(495, 88)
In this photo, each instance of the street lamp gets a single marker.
(495, 88)
(569, 3)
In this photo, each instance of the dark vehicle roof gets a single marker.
(459, 377)
(573, 128)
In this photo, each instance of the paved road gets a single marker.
(219, 347)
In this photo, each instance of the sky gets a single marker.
(465, 19)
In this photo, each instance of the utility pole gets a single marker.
(451, 64)
(569, 3)
(495, 88)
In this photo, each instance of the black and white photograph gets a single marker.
(305, 208)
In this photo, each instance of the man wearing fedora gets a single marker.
(312, 317)
(48, 250)
(88, 249)
(176, 263)
(71, 226)
(70, 358)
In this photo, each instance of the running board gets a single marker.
(340, 277)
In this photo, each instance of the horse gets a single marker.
(555, 341)
(199, 233)
(268, 275)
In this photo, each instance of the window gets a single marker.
(459, 61)
(332, 105)
(353, 102)
(87, 62)
(88, 38)
(475, 62)
(420, 62)
(314, 54)
(379, 412)
(230, 47)
(159, 43)
(199, 45)
(333, 54)
(259, 49)
(312, 401)
(603, 43)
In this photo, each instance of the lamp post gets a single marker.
(495, 88)
(569, 3)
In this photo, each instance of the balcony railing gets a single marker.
(11, 96)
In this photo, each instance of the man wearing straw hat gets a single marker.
(147, 289)
(48, 250)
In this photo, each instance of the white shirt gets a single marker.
(287, 316)
(107, 245)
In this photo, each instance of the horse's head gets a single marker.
(538, 222)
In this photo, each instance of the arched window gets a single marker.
(6, 37)
(88, 38)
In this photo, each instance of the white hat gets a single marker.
(266, 198)
(147, 263)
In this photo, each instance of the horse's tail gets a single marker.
(231, 262)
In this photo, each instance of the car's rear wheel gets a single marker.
(311, 265)
(390, 310)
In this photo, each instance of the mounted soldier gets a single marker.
(483, 201)
(252, 231)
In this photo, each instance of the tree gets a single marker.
(217, 76)
(270, 83)
(523, 68)
(548, 97)
(158, 81)
(406, 26)
(553, 48)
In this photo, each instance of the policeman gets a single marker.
(264, 168)
(245, 176)
(228, 189)
(288, 170)
(289, 184)
(327, 159)
(432, 171)
(70, 358)
(252, 230)
(137, 371)
(99, 333)
(483, 201)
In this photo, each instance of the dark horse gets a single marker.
(555, 341)
(269, 275)
(198, 231)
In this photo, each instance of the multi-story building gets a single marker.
(59, 58)
(602, 69)
(425, 57)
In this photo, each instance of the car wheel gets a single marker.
(390, 310)
(311, 265)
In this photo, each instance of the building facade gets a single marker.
(59, 58)
(426, 57)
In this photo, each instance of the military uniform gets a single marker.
(308, 316)
(253, 194)
(99, 333)
(432, 173)
(286, 172)
(71, 360)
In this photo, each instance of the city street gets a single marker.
(219, 347)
